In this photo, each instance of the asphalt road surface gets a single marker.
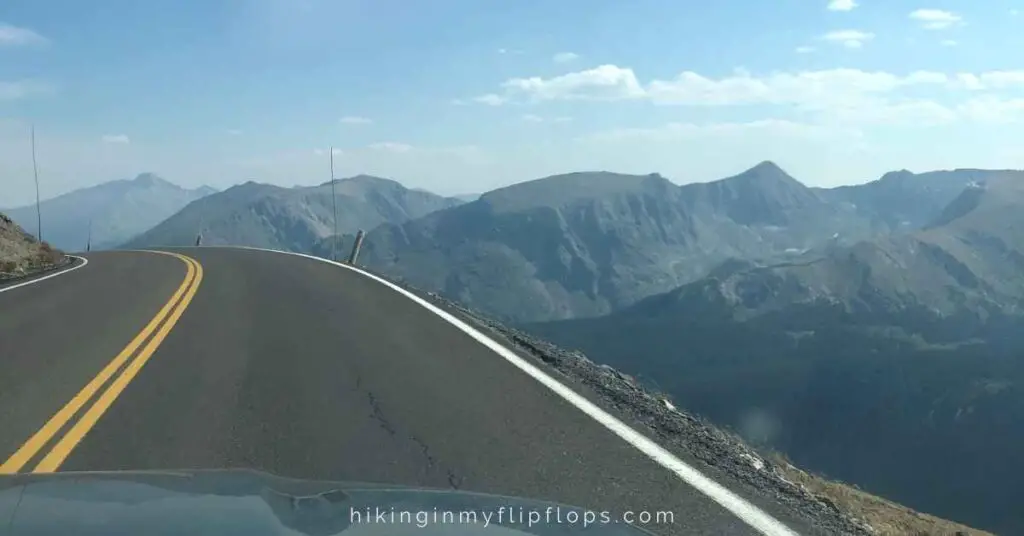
(230, 358)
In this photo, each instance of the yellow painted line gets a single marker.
(71, 439)
(185, 292)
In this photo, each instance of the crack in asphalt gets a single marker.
(377, 414)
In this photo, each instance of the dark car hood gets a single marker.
(253, 503)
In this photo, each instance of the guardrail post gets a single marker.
(355, 247)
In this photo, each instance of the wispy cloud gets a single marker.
(355, 120)
(531, 118)
(391, 147)
(22, 89)
(119, 139)
(15, 36)
(491, 99)
(842, 5)
(837, 96)
(949, 42)
(234, 131)
(565, 57)
(935, 19)
(689, 88)
(804, 50)
(606, 82)
(672, 131)
(849, 38)
(509, 51)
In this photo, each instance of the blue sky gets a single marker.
(466, 95)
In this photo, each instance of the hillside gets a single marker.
(893, 363)
(20, 253)
(901, 200)
(966, 265)
(118, 210)
(585, 244)
(263, 215)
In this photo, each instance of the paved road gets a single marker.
(305, 370)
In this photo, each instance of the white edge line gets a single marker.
(45, 277)
(738, 506)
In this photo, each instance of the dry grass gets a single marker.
(886, 517)
(47, 256)
(20, 253)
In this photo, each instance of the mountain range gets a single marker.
(114, 211)
(586, 244)
(871, 332)
(264, 215)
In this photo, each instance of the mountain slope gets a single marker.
(901, 200)
(968, 261)
(583, 244)
(264, 215)
(893, 364)
(118, 210)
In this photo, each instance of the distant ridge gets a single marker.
(586, 243)
(117, 211)
(293, 219)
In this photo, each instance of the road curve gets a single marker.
(304, 369)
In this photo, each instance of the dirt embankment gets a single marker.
(21, 254)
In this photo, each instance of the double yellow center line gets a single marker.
(123, 368)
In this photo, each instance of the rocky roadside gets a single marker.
(21, 255)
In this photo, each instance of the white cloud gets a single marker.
(355, 120)
(491, 99)
(842, 5)
(15, 36)
(993, 110)
(804, 50)
(849, 38)
(935, 19)
(908, 112)
(970, 81)
(806, 90)
(606, 82)
(832, 96)
(234, 132)
(948, 42)
(991, 80)
(531, 118)
(672, 131)
(565, 57)
(120, 139)
(391, 147)
(23, 89)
